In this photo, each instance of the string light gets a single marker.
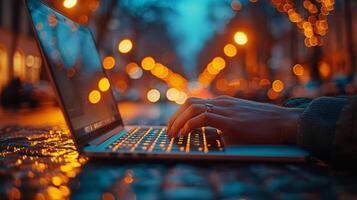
(315, 25)
(211, 71)
(162, 72)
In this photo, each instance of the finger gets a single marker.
(206, 119)
(188, 103)
(219, 101)
(193, 111)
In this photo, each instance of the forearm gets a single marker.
(288, 128)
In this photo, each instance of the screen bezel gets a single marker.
(80, 142)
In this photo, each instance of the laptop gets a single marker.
(87, 101)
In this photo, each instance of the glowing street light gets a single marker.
(69, 3)
(240, 38)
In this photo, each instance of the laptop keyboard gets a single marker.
(150, 139)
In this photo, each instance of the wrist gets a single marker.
(289, 126)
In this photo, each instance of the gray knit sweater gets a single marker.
(328, 128)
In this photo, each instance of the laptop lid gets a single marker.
(74, 64)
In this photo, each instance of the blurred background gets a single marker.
(164, 51)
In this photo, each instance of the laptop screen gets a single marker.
(76, 69)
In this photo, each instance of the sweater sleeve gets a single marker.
(345, 142)
(317, 126)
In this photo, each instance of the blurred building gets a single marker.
(280, 48)
(19, 55)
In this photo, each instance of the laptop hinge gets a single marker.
(106, 136)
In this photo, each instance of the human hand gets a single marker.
(241, 121)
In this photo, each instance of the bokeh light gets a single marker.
(153, 95)
(125, 46)
(212, 70)
(181, 98)
(272, 95)
(103, 84)
(94, 96)
(278, 86)
(298, 70)
(108, 62)
(240, 38)
(218, 63)
(236, 5)
(324, 69)
(148, 63)
(230, 50)
(134, 71)
(69, 3)
(172, 94)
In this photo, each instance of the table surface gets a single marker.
(38, 161)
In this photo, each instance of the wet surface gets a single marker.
(42, 163)
(37, 162)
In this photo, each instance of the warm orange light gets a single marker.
(324, 70)
(57, 181)
(108, 62)
(240, 38)
(157, 70)
(94, 96)
(103, 84)
(69, 3)
(264, 82)
(164, 74)
(272, 94)
(230, 50)
(134, 71)
(153, 95)
(236, 5)
(148, 63)
(212, 70)
(125, 46)
(278, 86)
(172, 94)
(181, 99)
(298, 70)
(122, 85)
(222, 84)
(218, 63)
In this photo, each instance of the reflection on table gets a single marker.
(41, 162)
